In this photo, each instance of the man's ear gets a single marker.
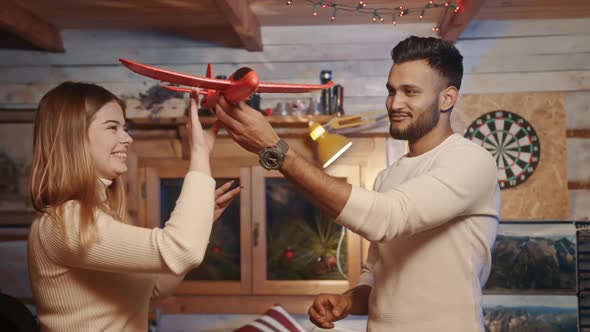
(447, 99)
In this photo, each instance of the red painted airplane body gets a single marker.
(239, 86)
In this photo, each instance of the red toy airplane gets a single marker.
(239, 86)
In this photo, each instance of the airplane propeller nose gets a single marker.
(238, 74)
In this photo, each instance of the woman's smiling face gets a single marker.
(108, 141)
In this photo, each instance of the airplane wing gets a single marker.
(175, 77)
(274, 87)
(291, 88)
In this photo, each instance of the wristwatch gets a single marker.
(271, 157)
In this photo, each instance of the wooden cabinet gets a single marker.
(296, 249)
(227, 266)
(243, 233)
(271, 245)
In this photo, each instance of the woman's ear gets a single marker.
(448, 98)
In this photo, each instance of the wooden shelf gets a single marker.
(17, 115)
(275, 121)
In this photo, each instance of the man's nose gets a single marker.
(396, 102)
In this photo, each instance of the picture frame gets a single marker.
(16, 148)
(533, 257)
(526, 313)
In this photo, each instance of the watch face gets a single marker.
(513, 143)
(271, 158)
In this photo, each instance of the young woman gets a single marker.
(89, 270)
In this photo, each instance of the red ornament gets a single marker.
(331, 261)
(216, 249)
(289, 254)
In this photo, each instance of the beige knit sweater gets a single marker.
(432, 221)
(108, 287)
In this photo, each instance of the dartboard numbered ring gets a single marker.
(513, 143)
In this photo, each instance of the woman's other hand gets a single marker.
(223, 198)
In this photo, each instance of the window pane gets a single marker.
(302, 242)
(222, 260)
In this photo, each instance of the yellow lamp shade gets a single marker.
(330, 146)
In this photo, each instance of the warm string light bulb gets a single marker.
(399, 11)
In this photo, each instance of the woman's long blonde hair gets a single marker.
(62, 168)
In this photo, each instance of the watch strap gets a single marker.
(283, 146)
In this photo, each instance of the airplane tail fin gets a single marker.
(209, 73)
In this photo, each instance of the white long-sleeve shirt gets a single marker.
(432, 221)
(108, 287)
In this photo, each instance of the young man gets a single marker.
(432, 216)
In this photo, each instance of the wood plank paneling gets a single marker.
(523, 28)
(577, 105)
(579, 209)
(578, 185)
(578, 156)
(30, 94)
(308, 71)
(499, 57)
(578, 133)
(32, 28)
(243, 22)
(452, 23)
(530, 9)
(300, 13)
(125, 13)
(342, 51)
(333, 34)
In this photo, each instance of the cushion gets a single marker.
(276, 319)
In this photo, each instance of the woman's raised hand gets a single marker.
(201, 141)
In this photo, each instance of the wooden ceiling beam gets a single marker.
(452, 24)
(30, 27)
(244, 22)
(222, 35)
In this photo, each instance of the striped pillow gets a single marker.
(276, 319)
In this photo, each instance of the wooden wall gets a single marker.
(500, 57)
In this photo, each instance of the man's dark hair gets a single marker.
(441, 55)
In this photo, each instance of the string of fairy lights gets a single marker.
(378, 14)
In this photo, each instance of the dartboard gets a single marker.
(513, 143)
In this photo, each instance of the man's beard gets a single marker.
(425, 122)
